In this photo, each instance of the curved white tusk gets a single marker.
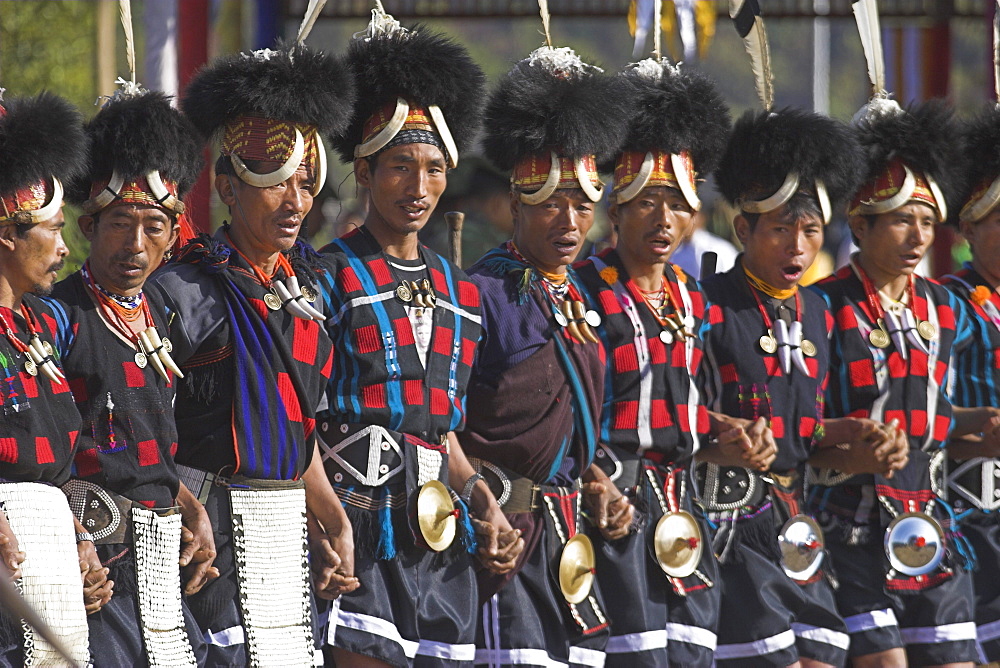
(784, 193)
(391, 129)
(449, 142)
(280, 175)
(43, 360)
(106, 196)
(784, 345)
(632, 190)
(320, 178)
(168, 361)
(824, 201)
(896, 333)
(894, 202)
(162, 195)
(549, 187)
(154, 359)
(292, 283)
(685, 181)
(52, 208)
(592, 193)
(938, 197)
(289, 302)
(977, 210)
(798, 359)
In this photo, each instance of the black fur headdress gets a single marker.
(293, 83)
(981, 149)
(420, 66)
(136, 134)
(552, 100)
(676, 109)
(764, 147)
(40, 137)
(925, 137)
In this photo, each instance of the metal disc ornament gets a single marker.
(808, 348)
(47, 347)
(309, 292)
(167, 345)
(140, 360)
(404, 293)
(801, 543)
(768, 343)
(914, 543)
(879, 338)
(678, 544)
(561, 319)
(593, 318)
(576, 568)
(273, 301)
(30, 367)
(666, 337)
(436, 515)
(927, 330)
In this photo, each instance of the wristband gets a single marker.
(469, 485)
(84, 536)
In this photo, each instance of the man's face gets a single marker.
(984, 239)
(127, 243)
(651, 225)
(405, 185)
(896, 242)
(551, 234)
(266, 221)
(780, 247)
(32, 262)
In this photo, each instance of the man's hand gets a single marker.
(197, 543)
(863, 446)
(97, 588)
(332, 559)
(499, 544)
(610, 509)
(741, 443)
(991, 437)
(10, 552)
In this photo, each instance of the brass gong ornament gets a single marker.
(914, 543)
(436, 515)
(576, 568)
(678, 544)
(801, 542)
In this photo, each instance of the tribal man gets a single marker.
(905, 591)
(766, 368)
(663, 605)
(254, 358)
(405, 326)
(144, 157)
(42, 144)
(536, 391)
(973, 469)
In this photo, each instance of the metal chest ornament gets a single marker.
(578, 321)
(801, 542)
(436, 515)
(678, 544)
(914, 544)
(577, 566)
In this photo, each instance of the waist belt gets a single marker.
(622, 467)
(729, 487)
(976, 482)
(105, 515)
(514, 493)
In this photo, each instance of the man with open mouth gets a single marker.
(405, 324)
(660, 581)
(905, 588)
(43, 145)
(114, 344)
(536, 391)
(766, 366)
(246, 332)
